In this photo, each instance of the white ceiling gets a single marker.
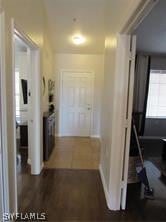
(90, 23)
(151, 34)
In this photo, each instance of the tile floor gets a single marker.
(75, 153)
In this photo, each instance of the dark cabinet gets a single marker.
(24, 135)
(48, 134)
(23, 125)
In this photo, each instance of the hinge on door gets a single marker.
(130, 56)
(126, 123)
(122, 184)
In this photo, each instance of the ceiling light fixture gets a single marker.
(78, 40)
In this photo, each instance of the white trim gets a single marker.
(36, 152)
(35, 118)
(157, 71)
(92, 136)
(24, 37)
(42, 166)
(129, 108)
(3, 117)
(104, 186)
(29, 161)
(139, 9)
(95, 136)
(119, 118)
(156, 117)
(60, 96)
(58, 135)
(13, 175)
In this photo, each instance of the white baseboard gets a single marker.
(29, 161)
(61, 135)
(104, 186)
(42, 166)
(95, 136)
(58, 135)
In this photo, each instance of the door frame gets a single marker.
(36, 155)
(35, 115)
(3, 121)
(62, 71)
(120, 155)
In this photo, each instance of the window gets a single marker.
(156, 104)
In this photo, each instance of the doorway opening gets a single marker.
(27, 105)
(22, 111)
(74, 148)
(148, 110)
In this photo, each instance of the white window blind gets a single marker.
(156, 104)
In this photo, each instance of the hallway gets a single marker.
(76, 47)
(77, 195)
(75, 153)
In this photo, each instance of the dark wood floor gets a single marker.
(77, 195)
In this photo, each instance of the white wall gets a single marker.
(93, 63)
(117, 15)
(30, 17)
(48, 65)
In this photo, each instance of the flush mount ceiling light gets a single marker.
(78, 40)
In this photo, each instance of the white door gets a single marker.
(76, 103)
(128, 104)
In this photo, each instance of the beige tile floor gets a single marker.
(75, 153)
